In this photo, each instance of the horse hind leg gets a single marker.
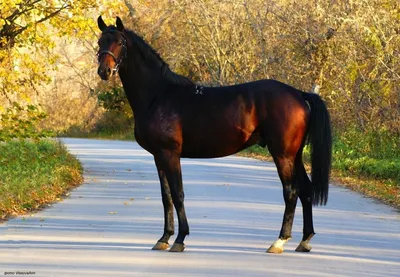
(285, 168)
(305, 193)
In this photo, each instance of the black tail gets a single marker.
(320, 140)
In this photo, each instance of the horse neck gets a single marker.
(141, 84)
(144, 76)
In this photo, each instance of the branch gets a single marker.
(130, 8)
(12, 30)
(18, 12)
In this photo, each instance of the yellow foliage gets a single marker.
(29, 32)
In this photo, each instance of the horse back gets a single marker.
(224, 120)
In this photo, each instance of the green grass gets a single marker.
(34, 173)
(112, 125)
(104, 134)
(369, 162)
(372, 154)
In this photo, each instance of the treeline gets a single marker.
(348, 50)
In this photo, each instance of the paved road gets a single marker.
(107, 226)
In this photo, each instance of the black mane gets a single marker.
(149, 53)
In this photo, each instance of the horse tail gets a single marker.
(320, 140)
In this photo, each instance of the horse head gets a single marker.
(112, 48)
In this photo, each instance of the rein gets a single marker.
(122, 53)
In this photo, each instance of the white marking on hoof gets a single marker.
(277, 246)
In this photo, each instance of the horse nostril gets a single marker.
(108, 71)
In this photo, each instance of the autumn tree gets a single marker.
(348, 50)
(31, 36)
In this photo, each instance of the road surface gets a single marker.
(107, 226)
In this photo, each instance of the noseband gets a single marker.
(122, 53)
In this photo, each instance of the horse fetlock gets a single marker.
(304, 245)
(307, 238)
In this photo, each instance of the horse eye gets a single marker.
(119, 42)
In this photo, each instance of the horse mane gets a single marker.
(149, 53)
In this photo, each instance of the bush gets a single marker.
(22, 122)
(113, 122)
(373, 154)
(118, 115)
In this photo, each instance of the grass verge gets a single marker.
(105, 134)
(33, 174)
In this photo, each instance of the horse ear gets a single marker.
(101, 24)
(120, 26)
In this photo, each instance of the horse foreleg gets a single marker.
(285, 168)
(169, 162)
(162, 243)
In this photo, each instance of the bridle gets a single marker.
(122, 54)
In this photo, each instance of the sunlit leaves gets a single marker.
(21, 122)
(29, 33)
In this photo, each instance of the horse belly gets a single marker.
(218, 141)
(223, 130)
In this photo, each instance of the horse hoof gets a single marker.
(160, 246)
(303, 247)
(277, 246)
(275, 250)
(177, 247)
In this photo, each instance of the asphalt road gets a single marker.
(107, 226)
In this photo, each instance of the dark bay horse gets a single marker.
(176, 118)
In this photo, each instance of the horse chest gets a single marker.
(160, 131)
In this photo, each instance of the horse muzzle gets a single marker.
(105, 72)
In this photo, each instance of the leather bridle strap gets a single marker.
(121, 56)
